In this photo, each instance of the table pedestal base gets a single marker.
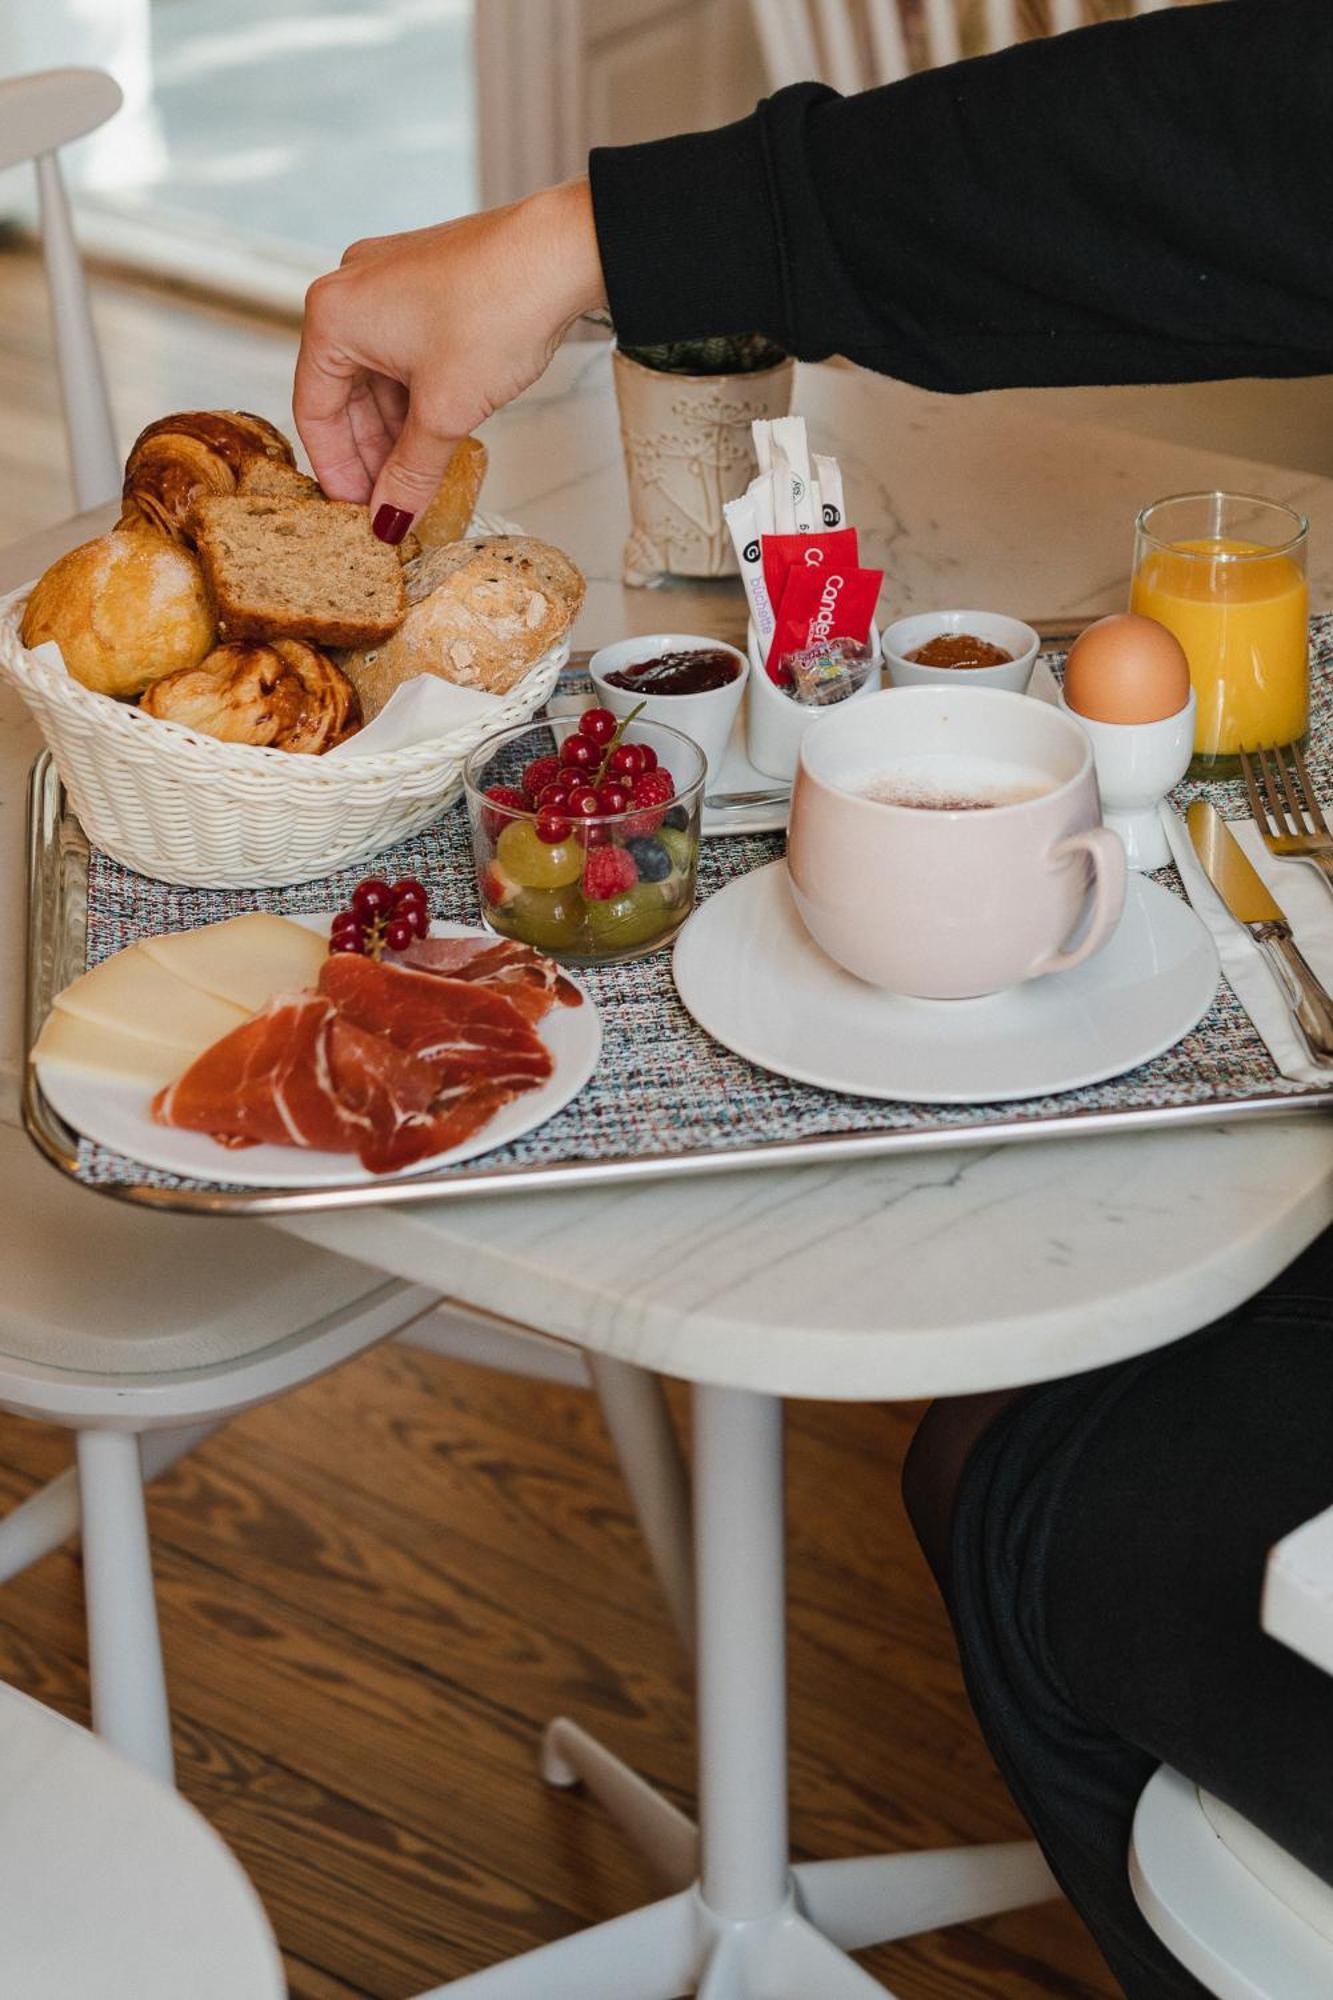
(744, 1924)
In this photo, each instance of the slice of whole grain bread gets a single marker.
(293, 568)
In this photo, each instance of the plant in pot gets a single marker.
(685, 415)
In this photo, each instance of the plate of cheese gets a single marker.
(245, 1052)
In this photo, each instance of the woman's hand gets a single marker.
(415, 339)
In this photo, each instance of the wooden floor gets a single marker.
(375, 1592)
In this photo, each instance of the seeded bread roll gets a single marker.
(124, 610)
(297, 569)
(479, 614)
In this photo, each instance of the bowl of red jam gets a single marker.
(677, 678)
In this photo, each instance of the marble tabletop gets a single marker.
(900, 1277)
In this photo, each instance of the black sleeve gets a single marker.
(1151, 200)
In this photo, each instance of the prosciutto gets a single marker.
(467, 1032)
(534, 984)
(391, 1063)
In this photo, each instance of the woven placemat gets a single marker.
(665, 1088)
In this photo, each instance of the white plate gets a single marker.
(752, 976)
(117, 1114)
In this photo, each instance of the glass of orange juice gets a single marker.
(1227, 574)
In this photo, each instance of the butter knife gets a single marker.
(1241, 888)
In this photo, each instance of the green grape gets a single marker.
(550, 919)
(680, 845)
(534, 863)
(635, 917)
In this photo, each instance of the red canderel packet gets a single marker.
(822, 604)
(782, 553)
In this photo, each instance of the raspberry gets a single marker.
(541, 771)
(503, 795)
(608, 872)
(653, 789)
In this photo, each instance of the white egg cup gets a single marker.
(707, 719)
(1137, 764)
(905, 635)
(775, 724)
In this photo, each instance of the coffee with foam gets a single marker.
(941, 781)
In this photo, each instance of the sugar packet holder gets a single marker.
(775, 724)
(794, 493)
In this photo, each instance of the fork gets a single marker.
(1286, 811)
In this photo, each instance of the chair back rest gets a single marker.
(39, 114)
(856, 44)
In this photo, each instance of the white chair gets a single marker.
(142, 1333)
(38, 115)
(1247, 1919)
(856, 44)
(111, 1886)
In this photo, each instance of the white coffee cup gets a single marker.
(944, 902)
(707, 719)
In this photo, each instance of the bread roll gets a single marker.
(124, 610)
(449, 514)
(479, 613)
(286, 696)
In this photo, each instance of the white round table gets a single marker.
(897, 1279)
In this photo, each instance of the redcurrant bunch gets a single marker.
(381, 916)
(593, 778)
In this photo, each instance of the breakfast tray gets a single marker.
(665, 1098)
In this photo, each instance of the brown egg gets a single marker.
(1127, 669)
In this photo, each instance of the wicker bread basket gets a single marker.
(187, 808)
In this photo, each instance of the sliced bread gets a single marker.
(300, 569)
(276, 481)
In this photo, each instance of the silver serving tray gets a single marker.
(57, 937)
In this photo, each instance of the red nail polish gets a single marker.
(391, 524)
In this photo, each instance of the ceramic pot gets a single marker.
(688, 450)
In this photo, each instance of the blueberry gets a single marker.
(651, 859)
(678, 818)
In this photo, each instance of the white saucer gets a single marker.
(117, 1114)
(754, 979)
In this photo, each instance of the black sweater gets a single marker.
(1151, 200)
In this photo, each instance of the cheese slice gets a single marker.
(87, 1049)
(134, 995)
(245, 960)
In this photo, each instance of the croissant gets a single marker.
(180, 458)
(284, 696)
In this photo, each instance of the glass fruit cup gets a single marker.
(587, 887)
(1227, 574)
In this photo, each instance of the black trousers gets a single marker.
(1108, 1546)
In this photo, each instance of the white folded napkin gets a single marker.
(422, 708)
(1307, 903)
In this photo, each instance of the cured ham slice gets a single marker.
(467, 1032)
(534, 983)
(394, 1063)
(392, 1094)
(265, 1083)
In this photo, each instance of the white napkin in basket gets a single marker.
(1307, 903)
(421, 709)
